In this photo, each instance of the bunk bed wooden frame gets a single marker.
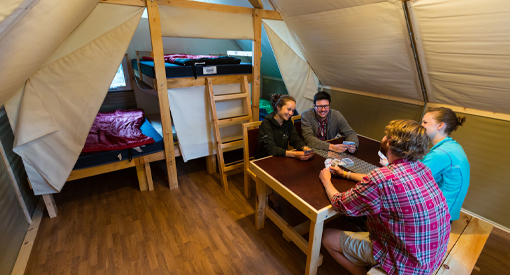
(160, 83)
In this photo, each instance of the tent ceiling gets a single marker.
(358, 47)
(466, 49)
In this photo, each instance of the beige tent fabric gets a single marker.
(296, 73)
(26, 45)
(191, 116)
(360, 47)
(184, 22)
(52, 114)
(290, 8)
(11, 11)
(465, 47)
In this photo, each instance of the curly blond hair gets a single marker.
(407, 139)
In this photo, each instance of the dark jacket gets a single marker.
(274, 139)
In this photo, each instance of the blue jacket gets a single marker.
(450, 167)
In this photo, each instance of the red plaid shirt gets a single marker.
(408, 217)
(321, 131)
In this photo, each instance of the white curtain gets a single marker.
(52, 113)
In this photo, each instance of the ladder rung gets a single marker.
(230, 96)
(232, 120)
(234, 165)
(231, 138)
(232, 146)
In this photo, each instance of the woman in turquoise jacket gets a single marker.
(446, 159)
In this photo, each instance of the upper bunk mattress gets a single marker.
(101, 158)
(175, 71)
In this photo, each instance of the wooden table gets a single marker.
(298, 182)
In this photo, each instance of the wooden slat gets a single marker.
(266, 14)
(233, 144)
(234, 166)
(257, 4)
(161, 84)
(183, 82)
(217, 136)
(234, 120)
(387, 97)
(481, 113)
(229, 97)
(466, 251)
(231, 138)
(245, 89)
(139, 3)
(257, 54)
(97, 170)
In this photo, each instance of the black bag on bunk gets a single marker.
(207, 61)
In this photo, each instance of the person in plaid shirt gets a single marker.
(408, 219)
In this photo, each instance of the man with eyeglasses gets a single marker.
(320, 123)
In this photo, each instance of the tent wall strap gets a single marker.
(416, 57)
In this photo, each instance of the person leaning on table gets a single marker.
(407, 217)
(321, 123)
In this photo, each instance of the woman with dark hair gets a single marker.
(277, 131)
(446, 159)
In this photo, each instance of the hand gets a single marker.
(351, 148)
(336, 171)
(383, 162)
(338, 147)
(301, 155)
(306, 148)
(325, 176)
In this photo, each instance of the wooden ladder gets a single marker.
(228, 143)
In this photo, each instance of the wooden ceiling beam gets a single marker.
(257, 4)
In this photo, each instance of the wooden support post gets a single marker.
(161, 87)
(211, 164)
(148, 173)
(257, 4)
(260, 203)
(50, 205)
(314, 247)
(142, 177)
(257, 54)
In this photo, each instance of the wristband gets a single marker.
(345, 173)
(349, 175)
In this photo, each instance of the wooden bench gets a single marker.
(467, 238)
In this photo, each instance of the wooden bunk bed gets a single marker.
(161, 81)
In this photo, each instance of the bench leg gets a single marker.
(50, 205)
(142, 177)
(148, 172)
(314, 247)
(247, 185)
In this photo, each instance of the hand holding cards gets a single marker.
(351, 146)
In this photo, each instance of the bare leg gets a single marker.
(331, 241)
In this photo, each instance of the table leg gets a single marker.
(260, 203)
(314, 247)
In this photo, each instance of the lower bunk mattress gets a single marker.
(96, 159)
(175, 71)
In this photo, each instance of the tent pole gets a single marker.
(161, 87)
(257, 54)
(416, 57)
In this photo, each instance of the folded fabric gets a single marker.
(116, 130)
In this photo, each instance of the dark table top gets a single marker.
(302, 177)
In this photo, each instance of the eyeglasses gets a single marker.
(322, 107)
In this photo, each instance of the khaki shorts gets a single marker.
(357, 248)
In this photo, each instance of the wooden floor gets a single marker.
(105, 225)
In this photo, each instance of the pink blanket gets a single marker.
(116, 130)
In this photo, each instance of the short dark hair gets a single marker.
(321, 96)
(408, 139)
